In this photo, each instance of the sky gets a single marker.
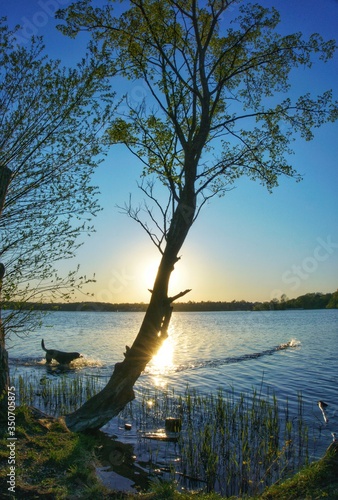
(249, 245)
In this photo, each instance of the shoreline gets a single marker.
(73, 472)
(309, 301)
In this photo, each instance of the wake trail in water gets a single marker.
(214, 363)
(83, 363)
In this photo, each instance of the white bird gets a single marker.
(322, 407)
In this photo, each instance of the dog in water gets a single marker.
(64, 358)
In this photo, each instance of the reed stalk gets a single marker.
(233, 444)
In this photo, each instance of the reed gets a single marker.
(233, 444)
(57, 395)
(229, 443)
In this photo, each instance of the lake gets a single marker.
(285, 352)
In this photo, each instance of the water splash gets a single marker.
(291, 343)
(85, 362)
(79, 363)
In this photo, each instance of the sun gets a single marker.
(176, 278)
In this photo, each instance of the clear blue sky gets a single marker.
(249, 245)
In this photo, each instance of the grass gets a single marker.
(317, 480)
(233, 445)
(58, 395)
(236, 446)
(49, 459)
(54, 463)
(57, 464)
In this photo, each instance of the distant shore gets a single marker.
(308, 301)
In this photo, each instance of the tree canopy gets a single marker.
(218, 74)
(52, 122)
(219, 77)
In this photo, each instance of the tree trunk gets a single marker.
(5, 175)
(119, 391)
(4, 373)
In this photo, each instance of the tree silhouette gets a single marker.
(52, 120)
(219, 108)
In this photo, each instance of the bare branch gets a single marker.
(178, 296)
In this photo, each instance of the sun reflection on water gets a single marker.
(163, 361)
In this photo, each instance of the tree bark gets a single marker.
(5, 175)
(119, 390)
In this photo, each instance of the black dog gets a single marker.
(64, 358)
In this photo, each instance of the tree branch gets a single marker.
(178, 296)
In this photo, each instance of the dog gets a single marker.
(63, 358)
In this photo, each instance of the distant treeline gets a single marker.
(308, 301)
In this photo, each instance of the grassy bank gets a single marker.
(53, 463)
(234, 444)
(49, 460)
(318, 480)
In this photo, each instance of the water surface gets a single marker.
(286, 352)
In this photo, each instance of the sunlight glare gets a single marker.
(150, 271)
(164, 359)
(177, 277)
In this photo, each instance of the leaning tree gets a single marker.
(220, 106)
(52, 122)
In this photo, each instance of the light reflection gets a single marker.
(163, 360)
(160, 382)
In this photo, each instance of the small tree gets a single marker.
(214, 115)
(52, 121)
(5, 175)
